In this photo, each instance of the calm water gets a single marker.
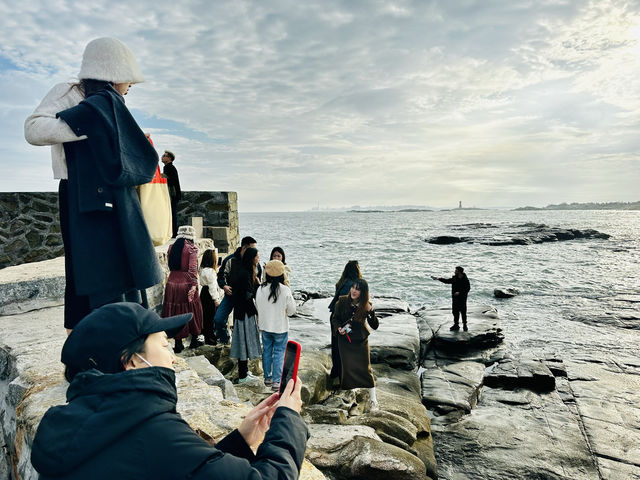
(593, 281)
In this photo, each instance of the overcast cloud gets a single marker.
(294, 104)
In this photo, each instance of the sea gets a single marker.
(593, 281)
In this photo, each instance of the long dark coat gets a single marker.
(354, 355)
(112, 250)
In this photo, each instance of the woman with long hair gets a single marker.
(275, 305)
(99, 154)
(277, 253)
(245, 339)
(210, 294)
(350, 274)
(349, 322)
(181, 292)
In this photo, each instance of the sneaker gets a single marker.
(243, 380)
(275, 387)
(465, 328)
(454, 327)
(268, 382)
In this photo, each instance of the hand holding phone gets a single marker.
(290, 364)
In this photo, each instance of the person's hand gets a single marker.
(433, 278)
(369, 307)
(256, 423)
(341, 331)
(291, 398)
(456, 294)
(192, 293)
(227, 290)
(216, 303)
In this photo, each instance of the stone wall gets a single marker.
(30, 225)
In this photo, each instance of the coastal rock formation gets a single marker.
(506, 292)
(529, 234)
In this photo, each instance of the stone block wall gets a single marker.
(30, 224)
(29, 227)
(217, 209)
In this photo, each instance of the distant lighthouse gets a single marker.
(460, 204)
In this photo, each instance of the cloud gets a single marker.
(340, 102)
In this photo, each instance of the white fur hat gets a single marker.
(188, 232)
(110, 60)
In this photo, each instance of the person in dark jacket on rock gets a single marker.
(460, 287)
(349, 324)
(350, 274)
(120, 421)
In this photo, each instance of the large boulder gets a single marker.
(356, 452)
(396, 342)
(484, 332)
(505, 292)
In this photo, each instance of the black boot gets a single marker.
(178, 347)
(210, 340)
(455, 327)
(464, 327)
(195, 343)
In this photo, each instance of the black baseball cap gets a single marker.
(98, 340)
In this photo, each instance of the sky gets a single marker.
(305, 104)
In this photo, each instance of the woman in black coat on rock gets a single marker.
(350, 274)
(349, 323)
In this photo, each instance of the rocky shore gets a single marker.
(491, 403)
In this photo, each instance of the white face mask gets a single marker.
(143, 359)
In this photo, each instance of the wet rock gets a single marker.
(455, 386)
(446, 240)
(387, 423)
(385, 306)
(506, 292)
(484, 332)
(520, 373)
(502, 440)
(313, 370)
(325, 414)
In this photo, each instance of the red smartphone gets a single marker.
(290, 364)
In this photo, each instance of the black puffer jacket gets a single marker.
(125, 426)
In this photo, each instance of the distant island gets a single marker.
(587, 206)
(401, 210)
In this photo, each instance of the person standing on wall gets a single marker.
(99, 154)
(173, 182)
(460, 287)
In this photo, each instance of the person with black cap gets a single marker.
(121, 421)
(460, 287)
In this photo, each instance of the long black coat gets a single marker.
(112, 249)
(125, 426)
(460, 285)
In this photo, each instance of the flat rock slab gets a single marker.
(484, 332)
(396, 342)
(452, 387)
(501, 440)
(521, 373)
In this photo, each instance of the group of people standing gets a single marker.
(120, 416)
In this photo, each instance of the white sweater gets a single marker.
(43, 128)
(208, 278)
(274, 317)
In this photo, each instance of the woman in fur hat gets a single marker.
(181, 292)
(99, 208)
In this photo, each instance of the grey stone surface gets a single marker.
(521, 373)
(455, 386)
